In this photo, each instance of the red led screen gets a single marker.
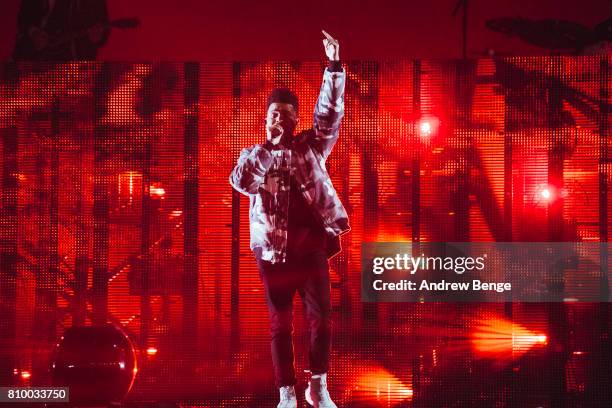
(116, 206)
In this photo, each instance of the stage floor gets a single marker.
(409, 355)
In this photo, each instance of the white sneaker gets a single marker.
(317, 394)
(287, 397)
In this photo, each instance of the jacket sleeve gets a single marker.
(250, 170)
(328, 112)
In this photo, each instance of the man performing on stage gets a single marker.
(296, 219)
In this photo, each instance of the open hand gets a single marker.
(332, 47)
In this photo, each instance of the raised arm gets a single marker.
(329, 109)
(250, 170)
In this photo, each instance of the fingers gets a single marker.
(329, 37)
(328, 45)
(326, 34)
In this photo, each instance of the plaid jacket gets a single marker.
(264, 176)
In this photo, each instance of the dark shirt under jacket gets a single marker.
(305, 233)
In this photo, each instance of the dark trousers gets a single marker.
(308, 276)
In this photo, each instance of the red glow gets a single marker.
(156, 191)
(425, 128)
(500, 338)
(129, 187)
(378, 158)
(380, 384)
(122, 101)
(25, 375)
(428, 126)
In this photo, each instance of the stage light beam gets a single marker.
(501, 339)
(379, 384)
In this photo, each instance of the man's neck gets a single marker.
(287, 140)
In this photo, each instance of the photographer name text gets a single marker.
(411, 265)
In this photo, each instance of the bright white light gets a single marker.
(157, 191)
(425, 128)
(545, 193)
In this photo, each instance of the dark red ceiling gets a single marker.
(261, 30)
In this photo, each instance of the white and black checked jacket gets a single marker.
(264, 176)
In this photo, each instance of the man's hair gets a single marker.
(283, 95)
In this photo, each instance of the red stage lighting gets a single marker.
(25, 375)
(151, 351)
(157, 191)
(545, 193)
(379, 384)
(129, 187)
(502, 339)
(427, 127)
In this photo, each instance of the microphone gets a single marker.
(275, 130)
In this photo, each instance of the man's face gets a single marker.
(281, 121)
